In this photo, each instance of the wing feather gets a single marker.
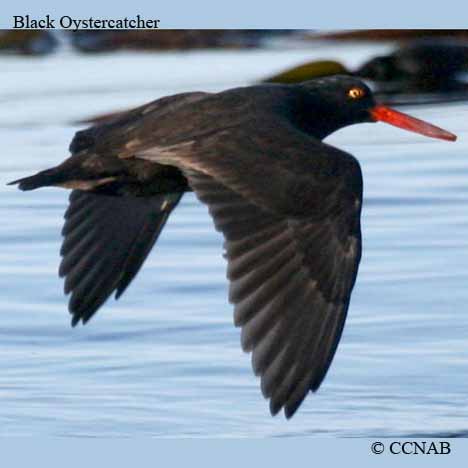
(290, 283)
(289, 208)
(106, 241)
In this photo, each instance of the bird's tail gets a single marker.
(83, 171)
(47, 178)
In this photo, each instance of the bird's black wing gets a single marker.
(106, 240)
(120, 122)
(293, 245)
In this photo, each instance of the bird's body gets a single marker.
(287, 204)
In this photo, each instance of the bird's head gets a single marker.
(340, 101)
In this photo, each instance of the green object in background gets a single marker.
(309, 71)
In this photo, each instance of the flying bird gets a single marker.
(287, 204)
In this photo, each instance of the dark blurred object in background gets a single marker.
(165, 39)
(27, 41)
(388, 34)
(419, 67)
(434, 65)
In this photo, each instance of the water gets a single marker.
(165, 360)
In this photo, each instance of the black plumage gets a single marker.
(106, 240)
(287, 204)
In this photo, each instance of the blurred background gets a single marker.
(166, 360)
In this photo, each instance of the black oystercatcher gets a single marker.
(287, 204)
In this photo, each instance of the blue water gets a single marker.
(165, 360)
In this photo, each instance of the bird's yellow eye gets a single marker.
(356, 93)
